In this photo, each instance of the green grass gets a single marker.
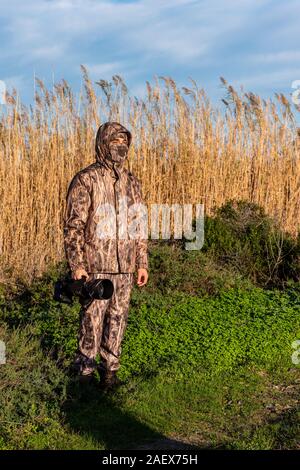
(206, 356)
(226, 411)
(198, 370)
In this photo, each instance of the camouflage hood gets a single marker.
(107, 132)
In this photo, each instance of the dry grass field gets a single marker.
(184, 151)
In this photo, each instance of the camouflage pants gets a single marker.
(102, 326)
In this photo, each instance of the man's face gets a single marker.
(119, 139)
(118, 147)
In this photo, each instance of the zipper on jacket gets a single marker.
(117, 226)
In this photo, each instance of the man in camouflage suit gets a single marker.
(93, 189)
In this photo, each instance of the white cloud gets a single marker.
(270, 79)
(176, 30)
(105, 68)
(13, 81)
(275, 57)
(133, 38)
(51, 52)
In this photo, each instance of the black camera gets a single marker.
(87, 291)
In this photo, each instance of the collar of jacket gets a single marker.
(115, 171)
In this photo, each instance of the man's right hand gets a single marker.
(79, 273)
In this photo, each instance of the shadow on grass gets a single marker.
(91, 411)
(287, 424)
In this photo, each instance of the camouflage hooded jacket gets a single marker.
(101, 184)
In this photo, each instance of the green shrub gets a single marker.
(32, 389)
(173, 269)
(55, 324)
(241, 235)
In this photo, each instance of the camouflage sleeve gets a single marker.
(75, 216)
(141, 243)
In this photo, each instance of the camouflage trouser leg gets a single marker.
(103, 325)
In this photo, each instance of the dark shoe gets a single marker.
(85, 379)
(109, 380)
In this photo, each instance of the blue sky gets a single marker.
(254, 43)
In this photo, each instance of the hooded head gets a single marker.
(111, 152)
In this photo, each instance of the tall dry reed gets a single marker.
(183, 150)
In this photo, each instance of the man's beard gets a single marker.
(118, 153)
